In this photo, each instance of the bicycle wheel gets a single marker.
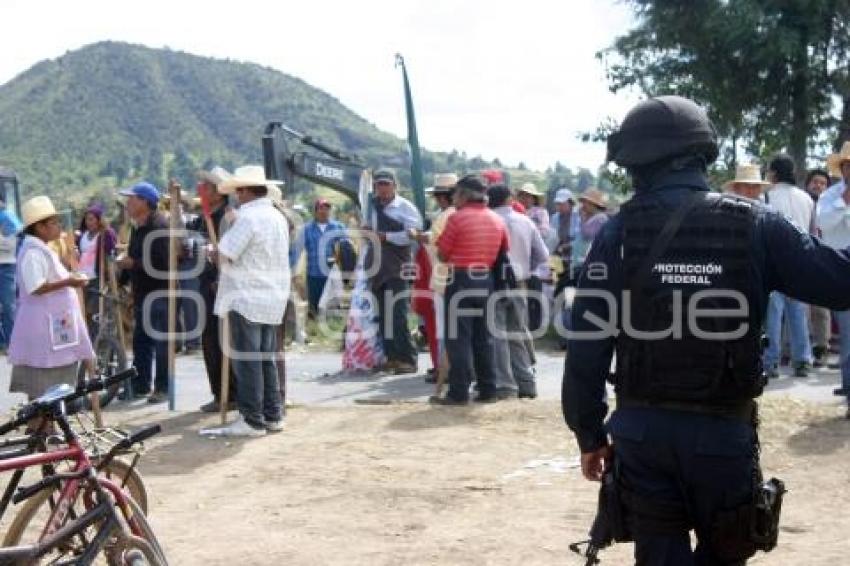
(154, 555)
(33, 515)
(110, 358)
(131, 480)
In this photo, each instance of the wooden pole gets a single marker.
(224, 328)
(174, 225)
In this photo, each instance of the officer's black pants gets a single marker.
(703, 462)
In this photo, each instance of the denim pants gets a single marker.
(146, 347)
(843, 319)
(469, 344)
(254, 353)
(315, 288)
(7, 302)
(798, 330)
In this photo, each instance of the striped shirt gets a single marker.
(473, 236)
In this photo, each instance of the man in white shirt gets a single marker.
(253, 291)
(798, 206)
(514, 364)
(834, 223)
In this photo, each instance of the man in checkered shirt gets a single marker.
(253, 291)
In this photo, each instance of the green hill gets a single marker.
(110, 113)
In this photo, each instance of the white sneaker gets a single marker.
(240, 428)
(274, 426)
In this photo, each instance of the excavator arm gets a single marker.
(323, 166)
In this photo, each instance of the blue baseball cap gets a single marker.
(144, 191)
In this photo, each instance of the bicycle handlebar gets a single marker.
(39, 407)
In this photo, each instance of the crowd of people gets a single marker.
(796, 333)
(487, 272)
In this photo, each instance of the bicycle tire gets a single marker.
(149, 536)
(110, 358)
(134, 484)
(28, 511)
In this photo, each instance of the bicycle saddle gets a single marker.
(54, 393)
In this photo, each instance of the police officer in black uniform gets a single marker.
(677, 284)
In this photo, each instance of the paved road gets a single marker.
(313, 380)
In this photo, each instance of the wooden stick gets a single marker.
(224, 328)
(95, 396)
(174, 224)
(224, 396)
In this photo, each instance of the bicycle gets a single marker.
(98, 442)
(110, 525)
(110, 354)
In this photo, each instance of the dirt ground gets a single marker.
(413, 484)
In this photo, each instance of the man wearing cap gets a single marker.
(513, 345)
(208, 183)
(565, 225)
(433, 274)
(144, 266)
(319, 238)
(833, 218)
(470, 243)
(392, 220)
(253, 291)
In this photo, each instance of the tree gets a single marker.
(767, 71)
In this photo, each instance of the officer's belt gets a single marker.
(744, 411)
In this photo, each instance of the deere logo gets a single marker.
(329, 172)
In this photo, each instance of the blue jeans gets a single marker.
(253, 357)
(798, 330)
(146, 347)
(315, 288)
(7, 302)
(843, 319)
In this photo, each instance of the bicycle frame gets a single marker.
(83, 469)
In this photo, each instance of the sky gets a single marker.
(516, 80)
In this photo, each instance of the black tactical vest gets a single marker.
(690, 326)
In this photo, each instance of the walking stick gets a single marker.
(173, 226)
(224, 338)
(95, 397)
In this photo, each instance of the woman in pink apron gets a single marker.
(49, 338)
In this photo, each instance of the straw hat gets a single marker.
(444, 183)
(215, 176)
(248, 176)
(530, 189)
(834, 161)
(37, 209)
(748, 174)
(594, 196)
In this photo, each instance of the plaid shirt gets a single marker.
(255, 264)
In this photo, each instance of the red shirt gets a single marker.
(473, 236)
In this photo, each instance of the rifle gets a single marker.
(609, 525)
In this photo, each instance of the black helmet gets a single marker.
(661, 128)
